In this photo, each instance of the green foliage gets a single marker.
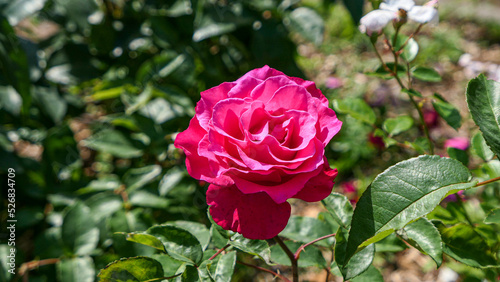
(402, 194)
(447, 111)
(483, 98)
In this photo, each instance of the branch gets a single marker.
(219, 251)
(265, 270)
(297, 253)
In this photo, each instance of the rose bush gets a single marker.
(260, 141)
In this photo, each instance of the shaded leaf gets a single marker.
(79, 269)
(112, 142)
(340, 208)
(493, 217)
(179, 243)
(425, 236)
(307, 229)
(310, 256)
(258, 248)
(136, 178)
(426, 74)
(447, 111)
(199, 230)
(464, 244)
(355, 265)
(382, 72)
(372, 274)
(355, 8)
(79, 232)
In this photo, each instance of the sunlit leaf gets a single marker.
(135, 269)
(401, 194)
(483, 98)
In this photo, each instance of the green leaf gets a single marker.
(447, 111)
(170, 266)
(258, 248)
(357, 264)
(410, 51)
(464, 244)
(136, 178)
(17, 10)
(51, 103)
(310, 256)
(308, 24)
(483, 99)
(481, 148)
(459, 155)
(79, 269)
(190, 274)
(225, 267)
(212, 29)
(382, 72)
(159, 110)
(79, 232)
(394, 126)
(372, 274)
(145, 239)
(493, 217)
(148, 200)
(453, 213)
(402, 194)
(340, 208)
(307, 229)
(179, 243)
(423, 235)
(412, 92)
(135, 269)
(14, 64)
(113, 142)
(103, 205)
(170, 180)
(355, 8)
(357, 108)
(426, 74)
(199, 230)
(10, 101)
(204, 270)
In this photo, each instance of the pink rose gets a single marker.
(260, 141)
(461, 143)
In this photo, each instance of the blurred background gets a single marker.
(92, 94)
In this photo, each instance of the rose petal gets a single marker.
(395, 5)
(208, 100)
(376, 20)
(320, 186)
(260, 73)
(328, 125)
(198, 166)
(265, 91)
(423, 14)
(255, 216)
(289, 97)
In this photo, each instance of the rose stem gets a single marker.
(293, 260)
(266, 270)
(394, 73)
(219, 251)
(487, 181)
(297, 253)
